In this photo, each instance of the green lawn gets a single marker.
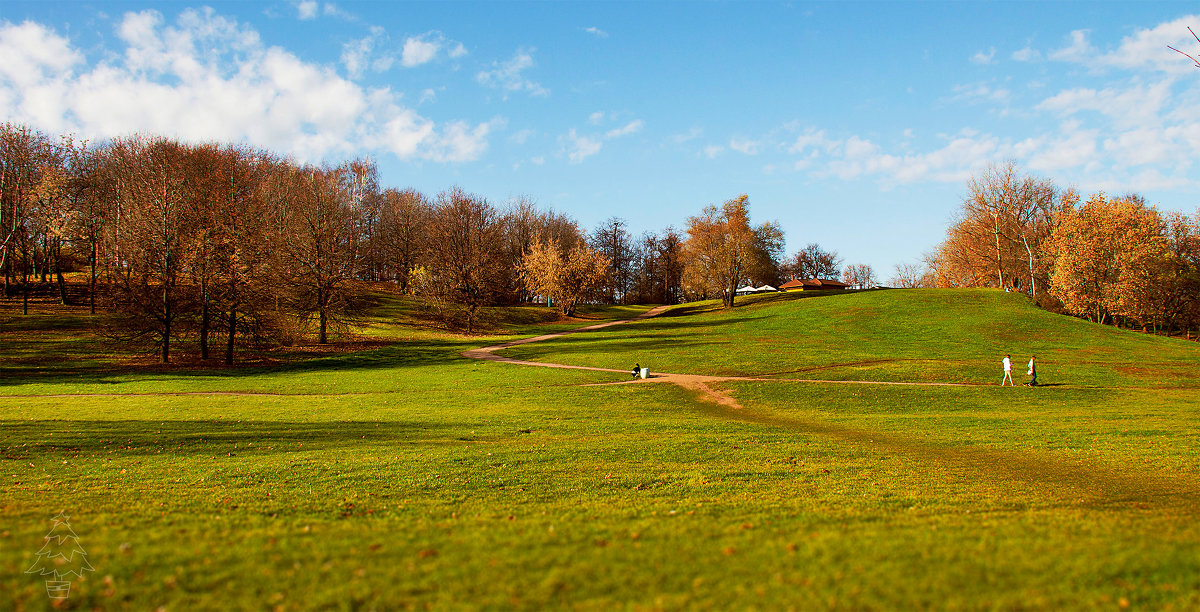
(406, 476)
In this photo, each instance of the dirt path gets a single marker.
(697, 383)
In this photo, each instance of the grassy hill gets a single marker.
(405, 476)
(915, 335)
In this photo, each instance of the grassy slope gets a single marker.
(916, 335)
(407, 476)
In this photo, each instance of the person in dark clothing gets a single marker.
(1032, 372)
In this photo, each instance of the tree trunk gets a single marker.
(166, 333)
(92, 279)
(62, 286)
(204, 322)
(232, 332)
(1032, 278)
(999, 252)
(322, 337)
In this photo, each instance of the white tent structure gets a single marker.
(748, 290)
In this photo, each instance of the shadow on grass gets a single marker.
(412, 353)
(749, 302)
(1085, 482)
(24, 440)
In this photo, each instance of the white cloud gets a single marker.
(523, 136)
(332, 10)
(693, 133)
(1144, 48)
(744, 145)
(1125, 104)
(712, 151)
(459, 142)
(809, 139)
(1028, 54)
(597, 32)
(1143, 146)
(34, 54)
(358, 55)
(205, 78)
(981, 92)
(981, 57)
(1074, 147)
(1080, 50)
(581, 147)
(419, 50)
(629, 128)
(307, 9)
(507, 75)
(596, 118)
(857, 147)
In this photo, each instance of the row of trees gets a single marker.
(227, 244)
(1109, 259)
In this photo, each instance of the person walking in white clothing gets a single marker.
(1007, 371)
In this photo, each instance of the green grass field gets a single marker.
(405, 476)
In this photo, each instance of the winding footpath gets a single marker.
(695, 382)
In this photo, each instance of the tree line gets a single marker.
(227, 245)
(1110, 259)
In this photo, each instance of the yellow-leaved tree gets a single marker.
(564, 276)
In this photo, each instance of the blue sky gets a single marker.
(855, 125)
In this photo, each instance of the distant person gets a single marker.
(1032, 372)
(1007, 371)
(637, 370)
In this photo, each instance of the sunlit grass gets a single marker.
(407, 476)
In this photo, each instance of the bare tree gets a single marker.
(401, 240)
(465, 253)
(244, 249)
(611, 238)
(812, 262)
(21, 151)
(997, 238)
(317, 243)
(860, 276)
(911, 276)
(155, 230)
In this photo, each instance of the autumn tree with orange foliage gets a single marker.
(1105, 255)
(723, 249)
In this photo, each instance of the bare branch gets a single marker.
(1197, 62)
(1194, 60)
